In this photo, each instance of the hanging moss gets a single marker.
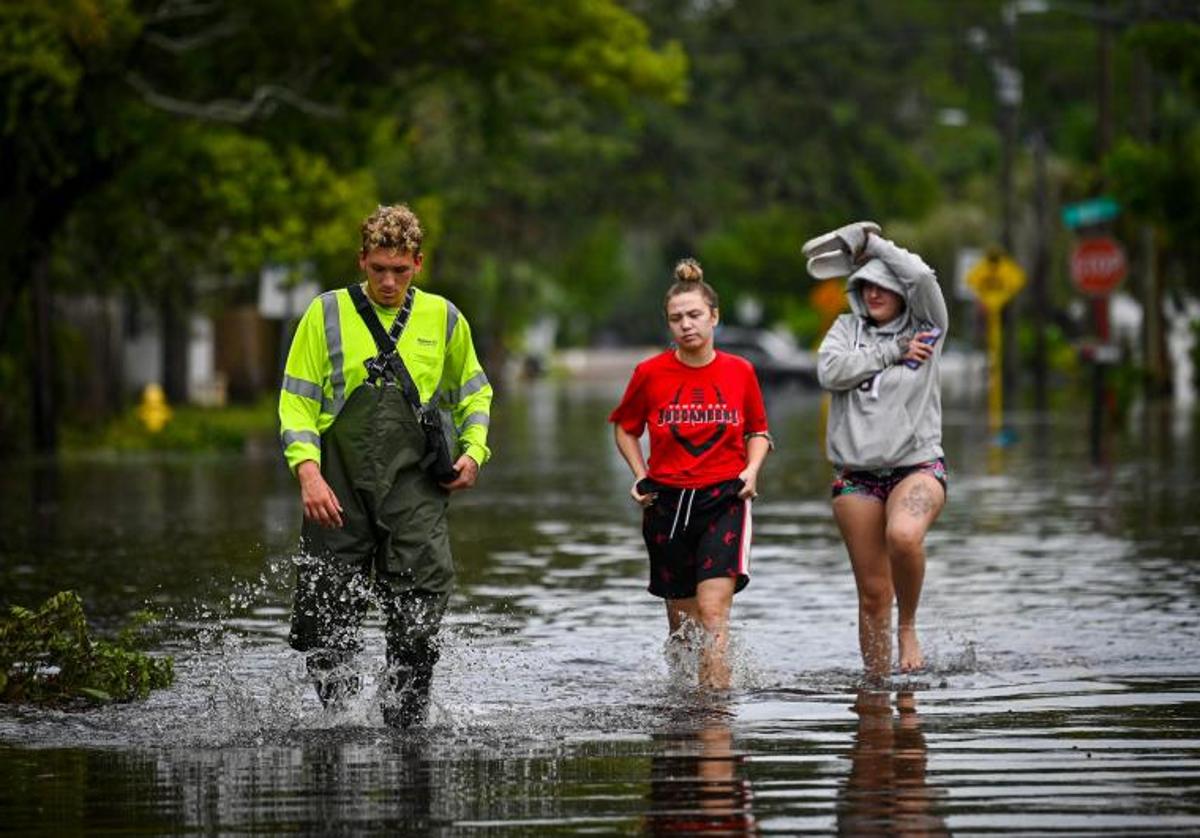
(48, 658)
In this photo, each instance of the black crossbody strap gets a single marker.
(401, 321)
(386, 343)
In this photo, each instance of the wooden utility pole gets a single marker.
(1158, 377)
(1010, 92)
(1041, 269)
(1104, 92)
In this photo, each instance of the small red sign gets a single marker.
(1098, 265)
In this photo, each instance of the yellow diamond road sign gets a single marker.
(996, 279)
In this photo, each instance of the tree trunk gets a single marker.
(43, 366)
(32, 219)
(174, 323)
(10, 294)
(1158, 372)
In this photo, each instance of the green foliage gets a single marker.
(48, 657)
(956, 154)
(1141, 173)
(169, 151)
(594, 276)
(939, 234)
(195, 429)
(758, 253)
(561, 155)
(518, 148)
(1062, 353)
(1172, 47)
(1157, 177)
(246, 204)
(1126, 381)
(595, 44)
(48, 51)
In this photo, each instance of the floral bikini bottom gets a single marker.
(879, 483)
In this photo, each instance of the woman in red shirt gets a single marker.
(708, 440)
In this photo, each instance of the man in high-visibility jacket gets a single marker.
(374, 519)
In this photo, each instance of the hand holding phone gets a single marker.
(929, 337)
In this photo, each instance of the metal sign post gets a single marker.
(995, 279)
(1098, 266)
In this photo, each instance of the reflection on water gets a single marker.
(698, 783)
(886, 791)
(1061, 619)
(368, 784)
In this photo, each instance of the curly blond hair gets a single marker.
(689, 276)
(393, 227)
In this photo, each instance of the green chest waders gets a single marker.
(393, 549)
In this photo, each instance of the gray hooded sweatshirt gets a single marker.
(883, 414)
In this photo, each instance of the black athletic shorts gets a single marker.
(696, 534)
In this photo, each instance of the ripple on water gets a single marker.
(1059, 619)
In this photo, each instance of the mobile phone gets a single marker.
(930, 339)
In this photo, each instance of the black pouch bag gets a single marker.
(437, 460)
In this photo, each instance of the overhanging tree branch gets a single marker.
(180, 9)
(180, 46)
(263, 101)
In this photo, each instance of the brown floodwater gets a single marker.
(1061, 620)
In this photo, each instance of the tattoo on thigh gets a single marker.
(918, 502)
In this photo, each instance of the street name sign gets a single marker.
(1093, 211)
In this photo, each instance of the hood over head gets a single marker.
(878, 273)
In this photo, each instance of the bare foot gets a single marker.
(911, 658)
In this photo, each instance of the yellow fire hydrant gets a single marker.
(153, 409)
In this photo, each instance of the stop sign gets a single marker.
(1097, 265)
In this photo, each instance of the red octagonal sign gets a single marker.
(1098, 265)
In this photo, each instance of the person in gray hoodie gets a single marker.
(884, 435)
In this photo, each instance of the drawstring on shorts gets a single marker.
(678, 508)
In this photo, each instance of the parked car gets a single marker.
(775, 356)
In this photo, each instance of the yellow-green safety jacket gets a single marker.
(325, 365)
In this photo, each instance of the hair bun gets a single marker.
(688, 270)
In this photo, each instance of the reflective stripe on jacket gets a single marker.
(325, 365)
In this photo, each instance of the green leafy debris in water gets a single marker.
(47, 657)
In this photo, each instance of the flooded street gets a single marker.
(1061, 619)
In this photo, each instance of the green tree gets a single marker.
(1158, 176)
(520, 160)
(165, 141)
(802, 115)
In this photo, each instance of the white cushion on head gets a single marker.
(827, 243)
(849, 237)
(830, 265)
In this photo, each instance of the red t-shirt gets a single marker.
(698, 417)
